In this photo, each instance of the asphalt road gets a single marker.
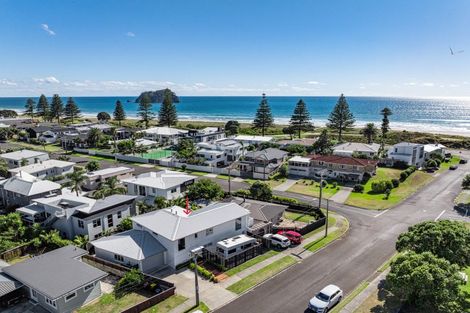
(354, 258)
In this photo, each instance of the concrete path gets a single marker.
(360, 298)
(342, 195)
(238, 179)
(211, 175)
(285, 185)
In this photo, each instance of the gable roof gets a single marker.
(41, 166)
(262, 211)
(337, 159)
(165, 131)
(22, 154)
(164, 179)
(357, 146)
(27, 185)
(270, 153)
(110, 171)
(173, 225)
(55, 273)
(134, 244)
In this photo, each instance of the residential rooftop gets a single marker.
(165, 131)
(22, 154)
(28, 185)
(110, 171)
(357, 146)
(164, 179)
(42, 166)
(337, 159)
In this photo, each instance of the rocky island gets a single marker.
(157, 96)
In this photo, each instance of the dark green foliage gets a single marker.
(92, 166)
(369, 131)
(125, 224)
(119, 114)
(381, 186)
(395, 182)
(466, 181)
(94, 137)
(30, 107)
(431, 164)
(289, 131)
(160, 202)
(205, 189)
(323, 145)
(261, 191)
(427, 282)
(385, 128)
(57, 108)
(300, 120)
(264, 117)
(186, 149)
(283, 170)
(71, 109)
(158, 96)
(132, 280)
(103, 117)
(296, 149)
(358, 188)
(232, 128)
(341, 119)
(43, 109)
(285, 199)
(445, 239)
(167, 115)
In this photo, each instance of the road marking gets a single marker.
(439, 216)
(381, 213)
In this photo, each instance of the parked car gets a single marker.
(463, 161)
(453, 167)
(327, 298)
(294, 237)
(277, 240)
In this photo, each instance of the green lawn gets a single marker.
(49, 147)
(299, 217)
(331, 223)
(368, 200)
(453, 161)
(466, 288)
(167, 305)
(322, 242)
(463, 197)
(262, 274)
(312, 188)
(250, 263)
(108, 303)
(201, 307)
(271, 182)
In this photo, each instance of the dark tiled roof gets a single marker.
(343, 160)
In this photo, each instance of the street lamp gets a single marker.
(194, 254)
(327, 202)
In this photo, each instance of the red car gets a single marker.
(293, 236)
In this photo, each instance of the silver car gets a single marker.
(327, 298)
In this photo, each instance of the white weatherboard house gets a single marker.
(45, 169)
(221, 152)
(23, 187)
(252, 140)
(167, 184)
(178, 232)
(431, 149)
(164, 135)
(95, 178)
(349, 149)
(14, 159)
(407, 152)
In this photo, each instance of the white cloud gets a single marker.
(199, 85)
(427, 84)
(6, 82)
(283, 85)
(130, 34)
(48, 80)
(410, 84)
(313, 82)
(47, 29)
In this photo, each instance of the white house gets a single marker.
(349, 149)
(95, 178)
(165, 183)
(207, 134)
(21, 188)
(14, 159)
(299, 166)
(221, 152)
(45, 169)
(252, 140)
(430, 149)
(179, 231)
(164, 135)
(407, 152)
(76, 215)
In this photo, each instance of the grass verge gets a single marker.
(250, 263)
(201, 307)
(312, 188)
(322, 242)
(350, 296)
(167, 305)
(108, 303)
(331, 223)
(299, 217)
(261, 275)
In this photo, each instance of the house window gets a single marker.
(88, 287)
(50, 302)
(110, 220)
(173, 190)
(96, 222)
(80, 224)
(195, 235)
(70, 296)
(238, 223)
(209, 231)
(232, 251)
(181, 244)
(119, 258)
(119, 214)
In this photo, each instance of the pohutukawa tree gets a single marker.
(341, 118)
(103, 117)
(30, 108)
(369, 131)
(57, 108)
(72, 110)
(42, 108)
(167, 115)
(119, 113)
(264, 117)
(300, 120)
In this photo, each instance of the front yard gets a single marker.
(250, 263)
(445, 165)
(108, 303)
(369, 200)
(312, 188)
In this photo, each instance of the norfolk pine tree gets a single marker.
(71, 109)
(386, 112)
(42, 108)
(264, 117)
(167, 115)
(30, 107)
(145, 110)
(119, 114)
(341, 119)
(57, 108)
(300, 120)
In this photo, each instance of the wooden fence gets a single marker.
(139, 307)
(16, 252)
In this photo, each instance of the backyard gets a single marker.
(312, 188)
(369, 200)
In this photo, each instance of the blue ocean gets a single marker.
(446, 115)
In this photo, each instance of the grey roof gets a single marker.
(28, 185)
(270, 153)
(8, 284)
(55, 273)
(170, 224)
(264, 212)
(106, 203)
(134, 244)
(357, 146)
(22, 154)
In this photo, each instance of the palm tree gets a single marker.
(80, 241)
(77, 178)
(111, 186)
(369, 131)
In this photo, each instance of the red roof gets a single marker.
(343, 160)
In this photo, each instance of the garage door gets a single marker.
(153, 262)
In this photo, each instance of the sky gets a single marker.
(235, 47)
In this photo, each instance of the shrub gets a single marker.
(404, 175)
(203, 272)
(395, 183)
(242, 193)
(129, 281)
(381, 186)
(283, 170)
(387, 193)
(358, 188)
(466, 182)
(334, 184)
(285, 199)
(431, 163)
(261, 191)
(183, 167)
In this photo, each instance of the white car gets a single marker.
(277, 240)
(327, 298)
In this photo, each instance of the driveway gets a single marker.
(354, 258)
(342, 195)
(285, 185)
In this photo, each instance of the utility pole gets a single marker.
(195, 253)
(229, 181)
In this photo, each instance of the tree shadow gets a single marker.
(390, 303)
